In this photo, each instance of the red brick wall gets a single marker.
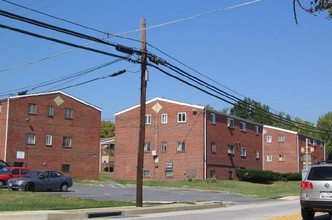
(223, 163)
(188, 163)
(289, 148)
(317, 150)
(83, 156)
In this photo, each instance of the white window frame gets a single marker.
(181, 146)
(213, 118)
(230, 149)
(163, 147)
(32, 109)
(146, 173)
(230, 122)
(49, 140)
(147, 147)
(30, 139)
(213, 147)
(169, 173)
(257, 154)
(243, 126)
(269, 139)
(67, 142)
(243, 152)
(68, 113)
(282, 158)
(281, 138)
(50, 111)
(256, 129)
(164, 118)
(148, 119)
(182, 117)
(269, 158)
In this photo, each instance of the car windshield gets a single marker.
(33, 174)
(320, 173)
(4, 170)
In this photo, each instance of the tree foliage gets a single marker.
(325, 123)
(107, 129)
(314, 7)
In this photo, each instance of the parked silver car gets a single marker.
(41, 180)
(316, 191)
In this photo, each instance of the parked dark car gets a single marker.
(3, 164)
(40, 180)
(7, 173)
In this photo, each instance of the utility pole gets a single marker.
(141, 140)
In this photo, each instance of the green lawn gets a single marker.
(15, 201)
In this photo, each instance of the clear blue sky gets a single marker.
(255, 51)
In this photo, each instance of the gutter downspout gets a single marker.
(6, 135)
(204, 136)
(263, 153)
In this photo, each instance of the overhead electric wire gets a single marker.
(66, 43)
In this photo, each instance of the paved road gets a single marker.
(115, 191)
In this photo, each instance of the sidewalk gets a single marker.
(104, 212)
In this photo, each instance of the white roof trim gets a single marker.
(55, 92)
(280, 129)
(164, 100)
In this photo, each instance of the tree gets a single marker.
(325, 124)
(315, 6)
(107, 129)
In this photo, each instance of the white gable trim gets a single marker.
(163, 100)
(55, 92)
(280, 129)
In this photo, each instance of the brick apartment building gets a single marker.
(51, 131)
(284, 150)
(185, 141)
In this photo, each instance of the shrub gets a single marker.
(292, 176)
(257, 176)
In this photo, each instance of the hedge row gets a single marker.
(265, 176)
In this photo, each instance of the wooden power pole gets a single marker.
(141, 140)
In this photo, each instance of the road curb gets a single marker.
(106, 212)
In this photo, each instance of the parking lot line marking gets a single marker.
(295, 216)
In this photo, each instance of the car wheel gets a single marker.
(307, 214)
(64, 187)
(30, 187)
(2, 184)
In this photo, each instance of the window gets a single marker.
(0, 107)
(269, 158)
(182, 117)
(65, 167)
(213, 148)
(164, 118)
(212, 173)
(147, 147)
(230, 122)
(243, 126)
(257, 154)
(146, 173)
(50, 111)
(256, 129)
(230, 149)
(213, 118)
(147, 119)
(68, 113)
(314, 142)
(30, 139)
(282, 157)
(67, 141)
(169, 173)
(49, 140)
(269, 139)
(163, 147)
(281, 138)
(181, 146)
(243, 152)
(32, 109)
